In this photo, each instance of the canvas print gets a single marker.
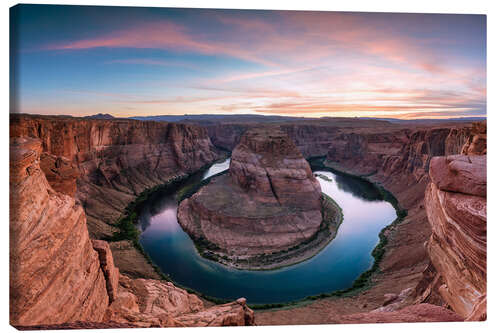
(175, 167)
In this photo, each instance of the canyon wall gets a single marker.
(398, 159)
(116, 159)
(58, 275)
(395, 156)
(55, 274)
(310, 139)
(427, 172)
(313, 137)
(456, 208)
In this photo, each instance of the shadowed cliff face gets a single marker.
(116, 159)
(399, 159)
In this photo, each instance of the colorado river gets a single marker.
(334, 268)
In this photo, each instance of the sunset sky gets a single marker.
(157, 61)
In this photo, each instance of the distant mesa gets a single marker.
(100, 116)
(267, 212)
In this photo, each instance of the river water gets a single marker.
(334, 268)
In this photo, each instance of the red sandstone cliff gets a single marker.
(55, 275)
(396, 156)
(58, 275)
(397, 159)
(116, 159)
(269, 202)
(456, 208)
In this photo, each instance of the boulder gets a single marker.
(460, 173)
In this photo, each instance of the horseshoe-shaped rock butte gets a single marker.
(268, 211)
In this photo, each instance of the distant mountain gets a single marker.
(207, 118)
(253, 118)
(427, 120)
(100, 116)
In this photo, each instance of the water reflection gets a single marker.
(336, 267)
(361, 188)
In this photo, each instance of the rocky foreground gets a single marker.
(58, 275)
(268, 204)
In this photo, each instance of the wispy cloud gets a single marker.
(156, 62)
(312, 63)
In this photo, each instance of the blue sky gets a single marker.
(82, 60)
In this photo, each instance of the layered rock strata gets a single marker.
(405, 172)
(456, 208)
(60, 278)
(116, 159)
(113, 162)
(269, 203)
(55, 274)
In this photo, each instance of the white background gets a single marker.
(491, 8)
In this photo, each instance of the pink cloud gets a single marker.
(295, 38)
(313, 63)
(161, 35)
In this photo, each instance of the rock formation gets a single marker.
(113, 162)
(267, 165)
(55, 275)
(60, 278)
(268, 203)
(153, 303)
(116, 159)
(456, 208)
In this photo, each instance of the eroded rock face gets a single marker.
(116, 159)
(60, 173)
(269, 202)
(59, 278)
(398, 159)
(460, 173)
(153, 303)
(55, 274)
(456, 209)
(476, 143)
(230, 314)
(111, 273)
(268, 165)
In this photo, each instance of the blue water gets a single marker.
(334, 268)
